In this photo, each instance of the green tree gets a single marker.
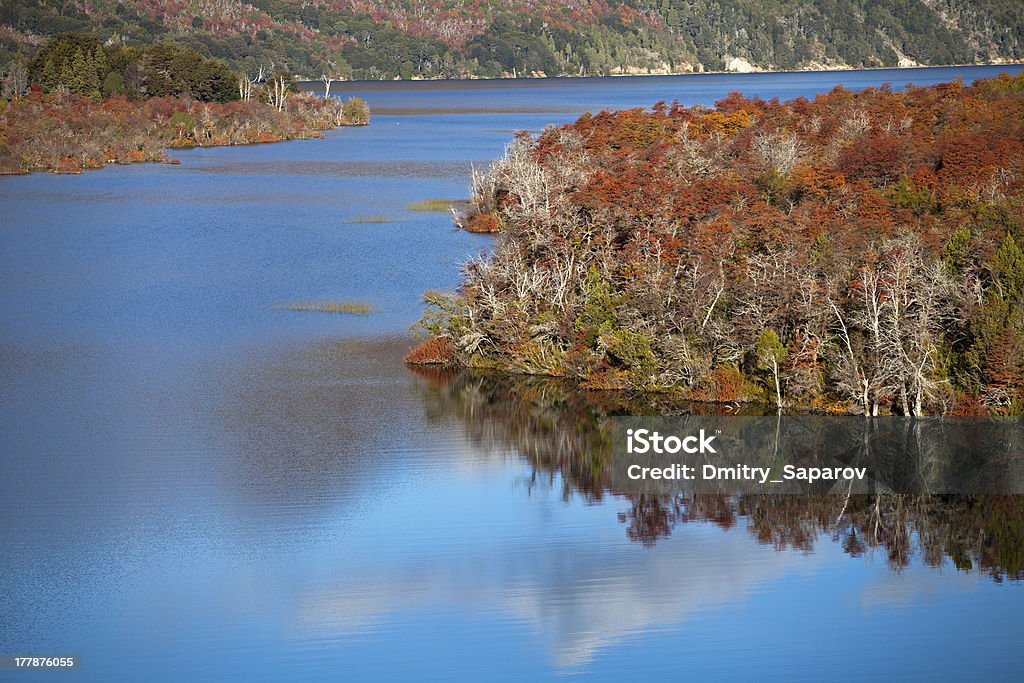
(99, 60)
(1009, 270)
(956, 252)
(73, 76)
(356, 111)
(183, 124)
(90, 77)
(49, 77)
(771, 353)
(113, 84)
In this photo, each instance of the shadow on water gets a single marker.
(565, 434)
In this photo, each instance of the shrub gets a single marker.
(356, 111)
(433, 351)
(482, 222)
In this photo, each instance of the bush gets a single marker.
(482, 222)
(356, 111)
(631, 352)
(434, 351)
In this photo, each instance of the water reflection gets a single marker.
(308, 425)
(581, 597)
(321, 436)
(565, 432)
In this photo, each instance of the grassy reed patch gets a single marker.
(372, 219)
(436, 204)
(340, 306)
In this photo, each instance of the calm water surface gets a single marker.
(197, 485)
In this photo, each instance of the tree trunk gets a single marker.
(778, 389)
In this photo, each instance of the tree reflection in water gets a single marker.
(565, 434)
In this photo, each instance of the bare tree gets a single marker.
(851, 378)
(246, 84)
(16, 82)
(277, 93)
(920, 299)
(779, 151)
(244, 89)
(892, 328)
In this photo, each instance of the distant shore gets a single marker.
(65, 133)
(316, 86)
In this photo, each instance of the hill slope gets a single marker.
(457, 38)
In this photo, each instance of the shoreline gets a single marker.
(165, 158)
(659, 395)
(308, 86)
(69, 134)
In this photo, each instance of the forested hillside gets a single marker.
(859, 251)
(453, 38)
(80, 104)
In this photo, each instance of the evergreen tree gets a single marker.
(1009, 271)
(113, 84)
(73, 75)
(50, 77)
(99, 59)
(90, 77)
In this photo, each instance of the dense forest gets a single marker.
(373, 39)
(81, 104)
(861, 251)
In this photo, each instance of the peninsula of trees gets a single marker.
(372, 39)
(861, 251)
(80, 104)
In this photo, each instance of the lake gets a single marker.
(200, 485)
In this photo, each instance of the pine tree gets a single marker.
(51, 76)
(1009, 270)
(99, 58)
(74, 75)
(90, 78)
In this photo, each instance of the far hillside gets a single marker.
(385, 39)
(82, 104)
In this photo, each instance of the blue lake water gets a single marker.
(198, 485)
